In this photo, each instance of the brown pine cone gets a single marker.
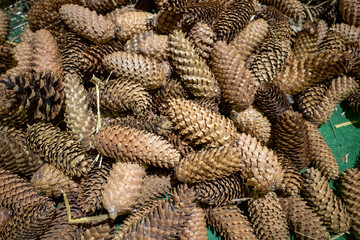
(272, 101)
(233, 19)
(305, 223)
(202, 12)
(292, 180)
(306, 42)
(332, 42)
(350, 11)
(123, 187)
(13, 131)
(200, 125)
(166, 21)
(122, 95)
(221, 191)
(329, 207)
(89, 199)
(309, 99)
(195, 228)
(58, 148)
(7, 60)
(130, 144)
(231, 223)
(291, 138)
(147, 71)
(52, 182)
(129, 23)
(183, 147)
(354, 101)
(253, 122)
(320, 154)
(4, 26)
(98, 232)
(351, 34)
(87, 23)
(192, 69)
(203, 38)
(350, 182)
(291, 8)
(209, 103)
(5, 217)
(155, 46)
(133, 44)
(268, 218)
(103, 5)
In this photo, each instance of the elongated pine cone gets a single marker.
(303, 220)
(233, 19)
(308, 100)
(253, 122)
(320, 154)
(322, 199)
(52, 182)
(31, 95)
(78, 116)
(202, 12)
(7, 60)
(155, 46)
(200, 125)
(102, 5)
(5, 217)
(123, 187)
(87, 23)
(192, 69)
(4, 26)
(100, 231)
(268, 218)
(203, 38)
(195, 228)
(122, 95)
(130, 144)
(147, 71)
(354, 101)
(350, 190)
(291, 8)
(291, 138)
(58, 148)
(292, 181)
(221, 191)
(231, 223)
(350, 11)
(306, 42)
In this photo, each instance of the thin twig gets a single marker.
(332, 126)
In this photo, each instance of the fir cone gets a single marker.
(58, 149)
(89, 198)
(4, 26)
(354, 101)
(306, 42)
(166, 21)
(98, 232)
(193, 70)
(87, 23)
(212, 104)
(324, 202)
(350, 33)
(52, 182)
(130, 23)
(133, 44)
(125, 143)
(183, 147)
(291, 8)
(231, 223)
(5, 217)
(46, 53)
(350, 12)
(309, 99)
(253, 122)
(155, 46)
(272, 101)
(123, 187)
(202, 12)
(203, 38)
(320, 154)
(292, 180)
(268, 218)
(350, 181)
(103, 5)
(332, 42)
(122, 95)
(200, 125)
(305, 223)
(79, 118)
(147, 71)
(7, 59)
(233, 19)
(291, 138)
(221, 191)
(196, 226)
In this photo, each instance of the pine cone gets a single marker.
(253, 122)
(103, 5)
(52, 182)
(306, 42)
(221, 191)
(292, 180)
(7, 60)
(58, 149)
(4, 26)
(124, 143)
(354, 101)
(305, 223)
(155, 46)
(233, 19)
(166, 21)
(350, 181)
(268, 218)
(201, 12)
(193, 70)
(320, 154)
(231, 223)
(291, 138)
(183, 147)
(196, 226)
(350, 11)
(332, 42)
(291, 8)
(87, 23)
(133, 44)
(351, 34)
(122, 95)
(200, 125)
(309, 99)
(99, 232)
(203, 38)
(147, 71)
(324, 202)
(129, 23)
(5, 217)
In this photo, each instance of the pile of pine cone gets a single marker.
(214, 104)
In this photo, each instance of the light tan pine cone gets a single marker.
(193, 70)
(144, 70)
(306, 42)
(322, 199)
(183, 147)
(133, 44)
(350, 33)
(195, 228)
(87, 23)
(102, 5)
(166, 21)
(350, 11)
(100, 231)
(201, 12)
(231, 223)
(130, 144)
(292, 181)
(203, 38)
(200, 125)
(4, 26)
(5, 217)
(291, 8)
(58, 148)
